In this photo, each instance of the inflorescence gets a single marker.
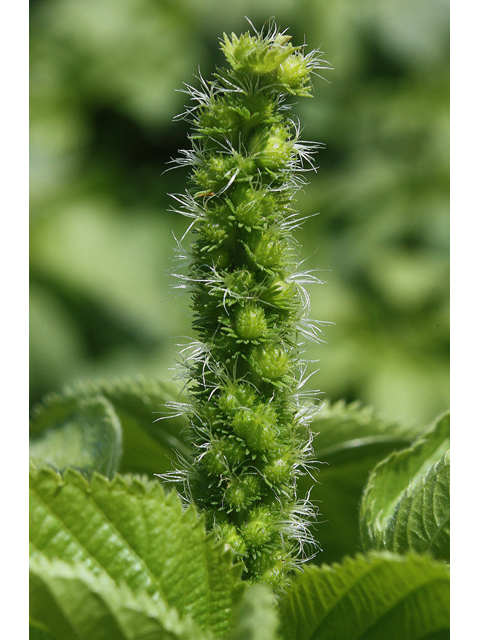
(244, 376)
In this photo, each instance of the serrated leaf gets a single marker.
(84, 434)
(350, 427)
(372, 597)
(148, 443)
(256, 617)
(406, 504)
(77, 603)
(351, 440)
(137, 536)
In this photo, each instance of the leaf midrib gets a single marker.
(389, 505)
(420, 587)
(409, 495)
(390, 607)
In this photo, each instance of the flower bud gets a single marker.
(250, 322)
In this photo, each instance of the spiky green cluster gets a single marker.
(248, 424)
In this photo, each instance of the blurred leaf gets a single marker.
(113, 533)
(115, 263)
(406, 504)
(54, 344)
(35, 633)
(83, 434)
(141, 76)
(372, 597)
(102, 326)
(256, 617)
(152, 436)
(341, 428)
(412, 31)
(351, 440)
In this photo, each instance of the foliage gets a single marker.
(373, 596)
(405, 504)
(112, 555)
(133, 558)
(101, 540)
(350, 440)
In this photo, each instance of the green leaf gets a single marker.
(134, 535)
(84, 434)
(35, 633)
(76, 603)
(352, 427)
(148, 443)
(256, 617)
(151, 434)
(351, 440)
(406, 504)
(371, 597)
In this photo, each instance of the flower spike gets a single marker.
(248, 417)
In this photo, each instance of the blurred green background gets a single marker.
(105, 76)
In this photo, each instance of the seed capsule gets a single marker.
(232, 538)
(279, 470)
(223, 455)
(234, 396)
(256, 426)
(250, 322)
(269, 362)
(219, 258)
(269, 251)
(213, 232)
(280, 293)
(269, 567)
(239, 283)
(242, 491)
(214, 460)
(258, 528)
(294, 73)
(252, 205)
(273, 149)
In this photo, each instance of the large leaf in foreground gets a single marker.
(133, 534)
(406, 505)
(371, 597)
(80, 433)
(76, 603)
(351, 440)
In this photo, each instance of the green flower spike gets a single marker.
(249, 420)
